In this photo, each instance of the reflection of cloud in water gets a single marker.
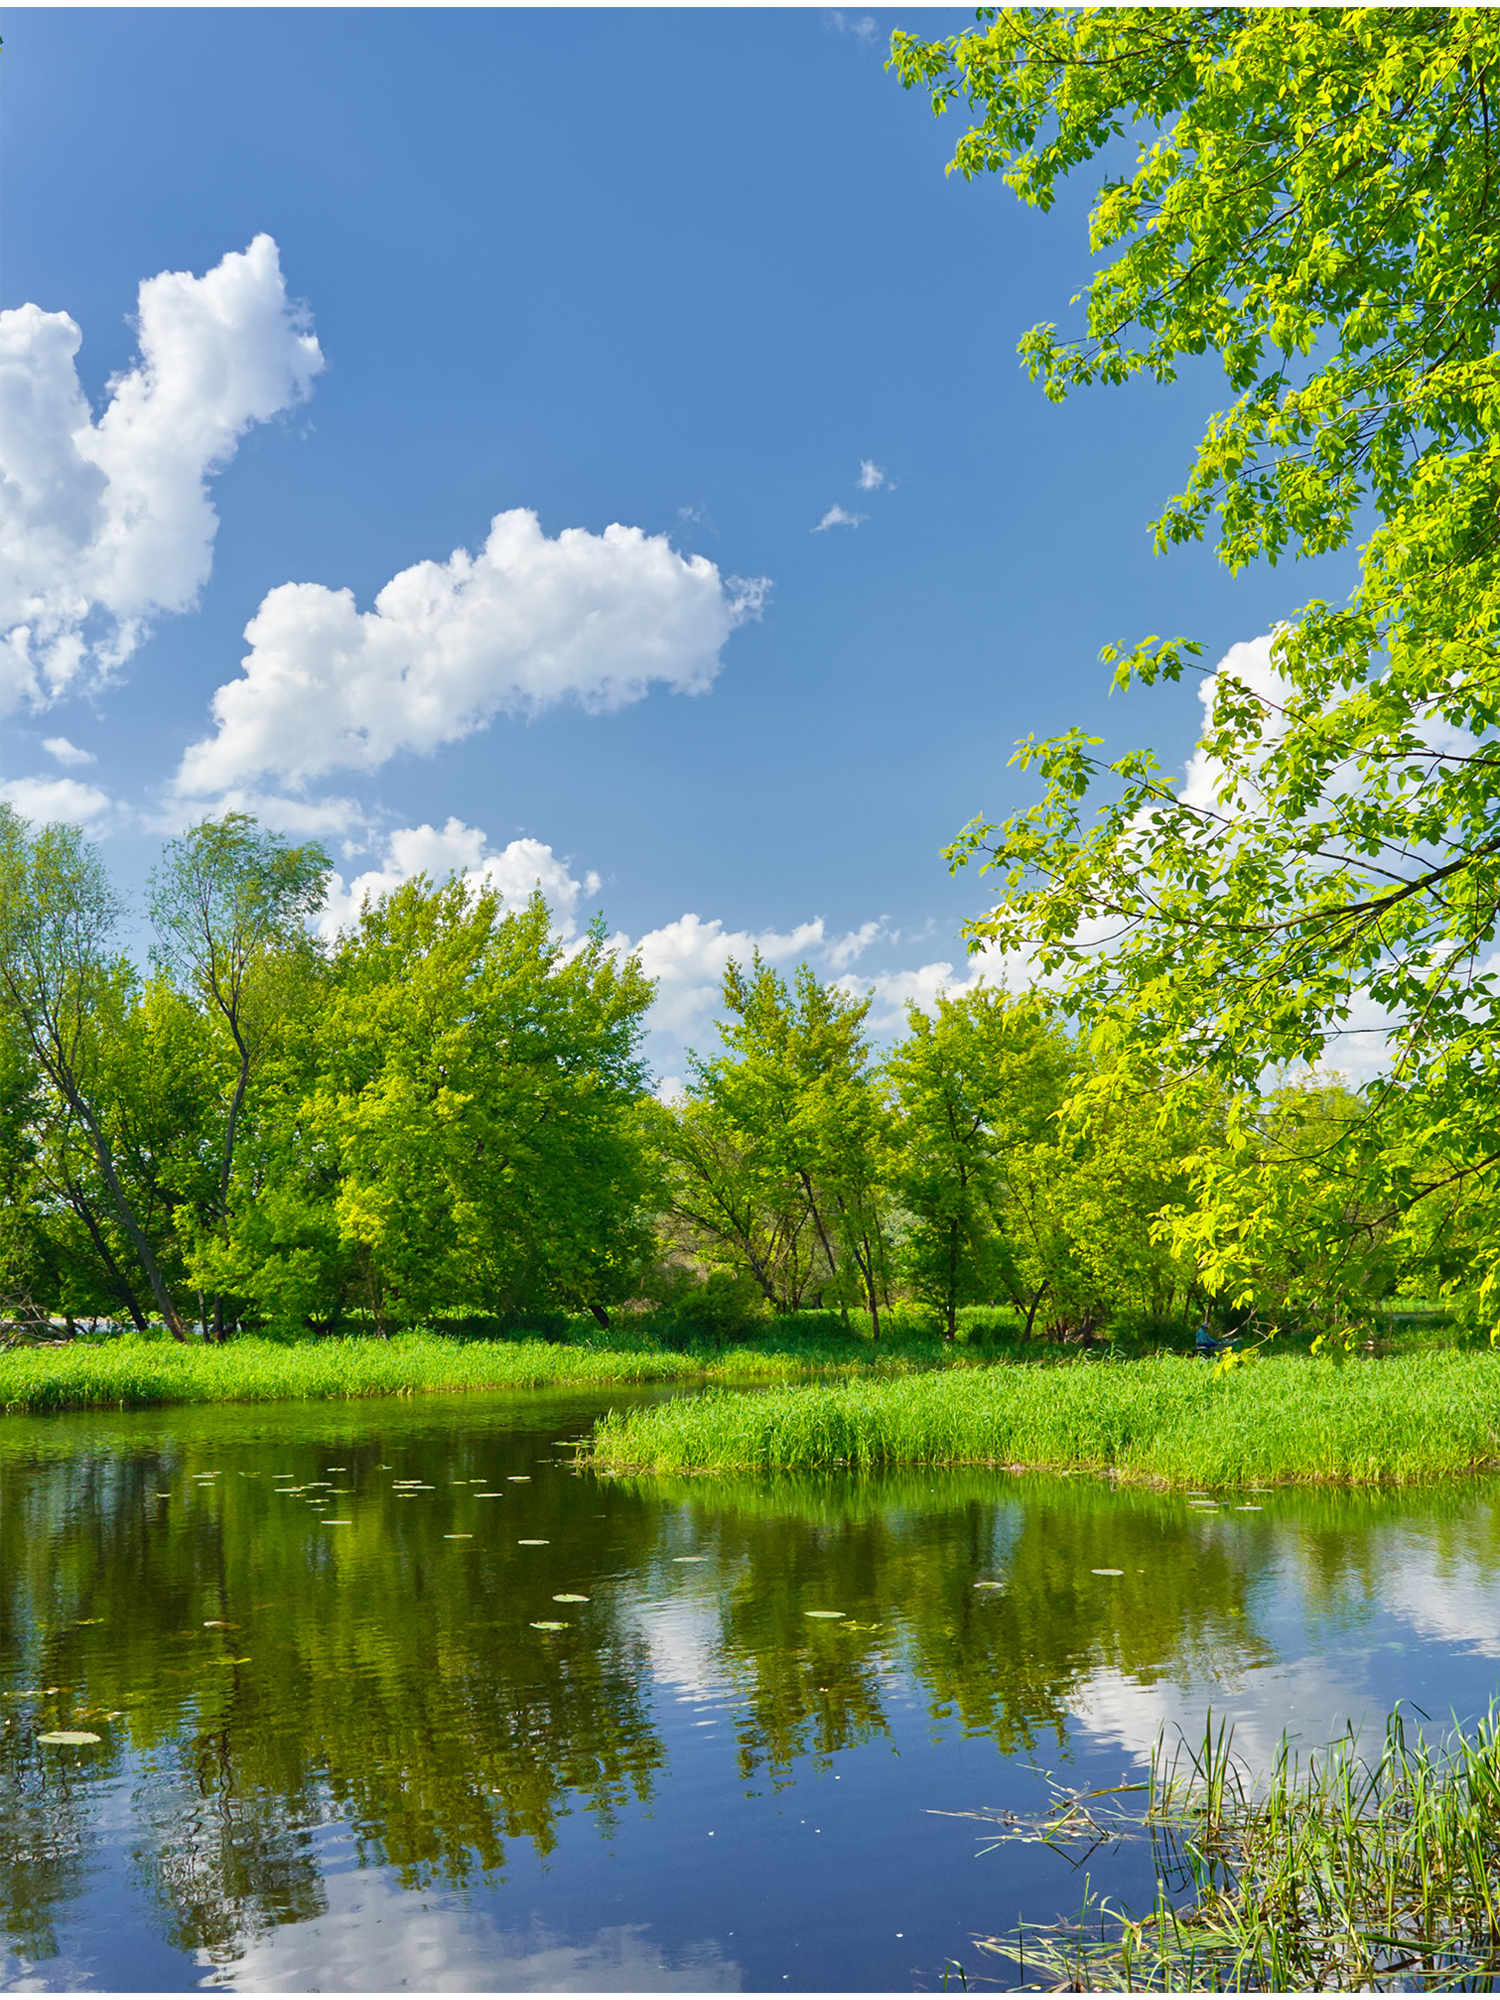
(374, 1939)
(685, 1642)
(1461, 1608)
(1304, 1699)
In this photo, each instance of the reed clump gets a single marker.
(1289, 1418)
(1346, 1875)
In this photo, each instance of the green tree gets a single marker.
(973, 1084)
(477, 1084)
(67, 993)
(779, 1151)
(1314, 198)
(230, 902)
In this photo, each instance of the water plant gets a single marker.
(1343, 1875)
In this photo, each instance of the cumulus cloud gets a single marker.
(515, 872)
(839, 517)
(104, 525)
(871, 476)
(46, 801)
(530, 622)
(66, 752)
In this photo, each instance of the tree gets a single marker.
(973, 1084)
(1314, 198)
(230, 902)
(477, 1088)
(65, 990)
(779, 1148)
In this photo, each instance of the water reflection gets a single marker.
(309, 1643)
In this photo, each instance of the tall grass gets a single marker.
(136, 1374)
(1343, 1876)
(1284, 1419)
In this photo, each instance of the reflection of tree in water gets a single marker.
(45, 1839)
(901, 1556)
(274, 1682)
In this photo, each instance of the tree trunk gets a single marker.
(1031, 1315)
(601, 1315)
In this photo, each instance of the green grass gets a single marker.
(135, 1374)
(1288, 1418)
(1344, 1875)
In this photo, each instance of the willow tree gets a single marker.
(1313, 196)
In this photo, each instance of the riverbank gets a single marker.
(1283, 1419)
(139, 1374)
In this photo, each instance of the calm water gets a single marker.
(339, 1752)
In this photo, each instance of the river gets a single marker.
(390, 1694)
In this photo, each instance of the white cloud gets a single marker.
(514, 871)
(66, 752)
(871, 476)
(46, 801)
(529, 622)
(103, 525)
(839, 517)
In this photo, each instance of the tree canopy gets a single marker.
(1313, 196)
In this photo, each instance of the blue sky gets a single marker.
(697, 274)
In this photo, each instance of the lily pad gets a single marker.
(1107, 1572)
(568, 1597)
(70, 1736)
(822, 1614)
(549, 1624)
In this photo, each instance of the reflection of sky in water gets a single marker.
(371, 1941)
(1407, 1617)
(694, 1786)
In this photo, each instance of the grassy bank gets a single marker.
(136, 1374)
(1288, 1418)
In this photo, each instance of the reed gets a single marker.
(1290, 1418)
(1342, 1876)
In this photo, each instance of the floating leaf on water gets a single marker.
(822, 1614)
(568, 1597)
(70, 1736)
(549, 1624)
(984, 1584)
(1107, 1572)
(532, 1542)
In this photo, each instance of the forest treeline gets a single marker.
(444, 1113)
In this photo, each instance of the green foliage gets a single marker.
(1315, 199)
